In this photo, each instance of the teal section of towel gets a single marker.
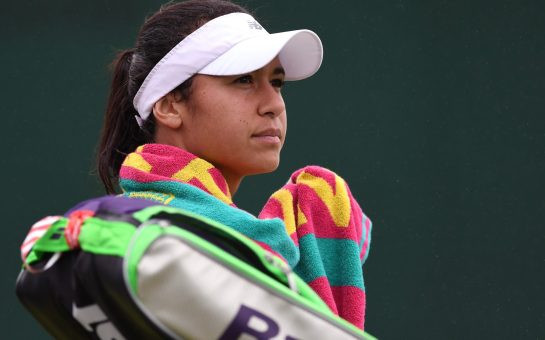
(185, 196)
(340, 261)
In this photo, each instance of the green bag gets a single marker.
(161, 272)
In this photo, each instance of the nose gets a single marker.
(270, 101)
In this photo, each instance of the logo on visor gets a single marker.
(254, 25)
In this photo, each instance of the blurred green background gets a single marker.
(434, 112)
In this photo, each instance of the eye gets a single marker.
(278, 83)
(246, 79)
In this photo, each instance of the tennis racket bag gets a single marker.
(119, 268)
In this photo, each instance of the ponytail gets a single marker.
(120, 134)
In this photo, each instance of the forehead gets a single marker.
(274, 67)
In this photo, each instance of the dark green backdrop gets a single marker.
(432, 110)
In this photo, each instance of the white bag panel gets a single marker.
(199, 298)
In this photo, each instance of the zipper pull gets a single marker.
(285, 268)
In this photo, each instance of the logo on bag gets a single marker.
(249, 321)
(93, 319)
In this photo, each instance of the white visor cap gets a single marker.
(300, 53)
(229, 45)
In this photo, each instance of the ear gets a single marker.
(169, 111)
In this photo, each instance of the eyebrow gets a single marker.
(279, 70)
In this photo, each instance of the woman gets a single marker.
(196, 106)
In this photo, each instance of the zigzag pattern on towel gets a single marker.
(322, 198)
(154, 159)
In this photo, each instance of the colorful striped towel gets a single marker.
(313, 222)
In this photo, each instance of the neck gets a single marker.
(233, 180)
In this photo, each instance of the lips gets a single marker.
(268, 136)
(268, 133)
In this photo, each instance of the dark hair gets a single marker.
(160, 33)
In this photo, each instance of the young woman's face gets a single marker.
(238, 123)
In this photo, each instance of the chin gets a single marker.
(266, 166)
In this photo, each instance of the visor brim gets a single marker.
(300, 53)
